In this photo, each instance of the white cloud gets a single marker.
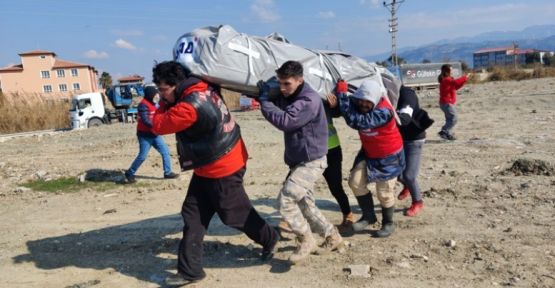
(326, 14)
(128, 32)
(124, 44)
(264, 10)
(93, 54)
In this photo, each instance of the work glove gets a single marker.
(341, 87)
(267, 90)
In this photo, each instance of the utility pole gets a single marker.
(393, 7)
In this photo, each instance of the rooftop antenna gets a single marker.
(393, 7)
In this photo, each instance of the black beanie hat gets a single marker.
(150, 91)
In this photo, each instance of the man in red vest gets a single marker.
(381, 159)
(147, 138)
(209, 142)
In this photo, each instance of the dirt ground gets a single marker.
(488, 218)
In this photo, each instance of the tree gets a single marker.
(532, 58)
(105, 80)
(400, 60)
(464, 66)
(548, 59)
(389, 61)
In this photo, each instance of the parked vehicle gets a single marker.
(88, 110)
(423, 75)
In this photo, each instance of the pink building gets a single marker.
(42, 72)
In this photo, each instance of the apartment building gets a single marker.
(42, 72)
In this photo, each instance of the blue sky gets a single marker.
(126, 37)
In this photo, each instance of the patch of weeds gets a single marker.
(72, 184)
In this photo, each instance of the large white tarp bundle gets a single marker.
(237, 61)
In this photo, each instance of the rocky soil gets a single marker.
(488, 220)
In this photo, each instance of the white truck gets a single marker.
(88, 110)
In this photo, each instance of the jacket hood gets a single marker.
(371, 91)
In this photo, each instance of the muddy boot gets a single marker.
(307, 245)
(366, 204)
(387, 223)
(285, 231)
(334, 241)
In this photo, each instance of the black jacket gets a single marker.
(413, 124)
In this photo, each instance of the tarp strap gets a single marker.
(247, 51)
(242, 49)
(395, 115)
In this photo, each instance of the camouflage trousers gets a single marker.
(296, 199)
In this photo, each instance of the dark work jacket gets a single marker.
(413, 126)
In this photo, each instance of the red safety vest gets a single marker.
(384, 140)
(151, 109)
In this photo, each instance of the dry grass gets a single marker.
(542, 72)
(30, 112)
(509, 73)
(505, 74)
(231, 99)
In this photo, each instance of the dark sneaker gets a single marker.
(443, 135)
(451, 137)
(179, 280)
(268, 252)
(130, 178)
(171, 176)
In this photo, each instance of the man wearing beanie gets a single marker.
(147, 138)
(381, 159)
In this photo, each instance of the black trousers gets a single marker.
(225, 196)
(333, 177)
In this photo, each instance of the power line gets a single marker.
(393, 7)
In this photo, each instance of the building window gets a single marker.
(45, 74)
(47, 88)
(76, 87)
(63, 87)
(61, 73)
(74, 72)
(42, 56)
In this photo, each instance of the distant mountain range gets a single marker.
(537, 37)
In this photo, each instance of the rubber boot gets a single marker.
(366, 204)
(387, 223)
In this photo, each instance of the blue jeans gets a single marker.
(145, 142)
(413, 153)
(450, 117)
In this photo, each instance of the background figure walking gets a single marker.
(147, 138)
(448, 87)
